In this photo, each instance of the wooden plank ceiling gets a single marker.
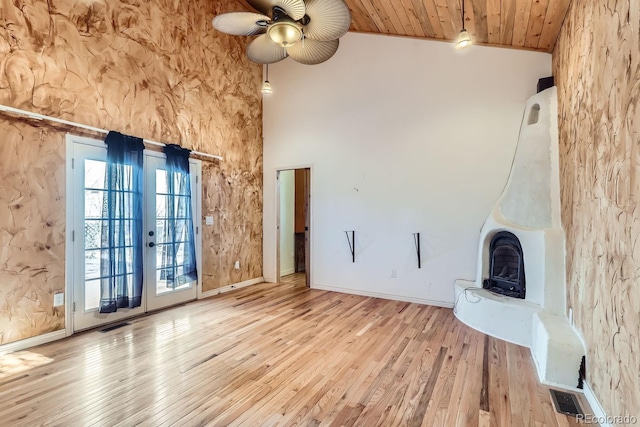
(529, 24)
(526, 24)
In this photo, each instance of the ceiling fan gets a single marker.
(307, 31)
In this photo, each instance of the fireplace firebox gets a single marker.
(506, 266)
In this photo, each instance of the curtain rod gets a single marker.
(37, 116)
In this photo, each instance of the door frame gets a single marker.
(71, 205)
(68, 247)
(276, 175)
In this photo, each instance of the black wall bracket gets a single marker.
(351, 238)
(416, 240)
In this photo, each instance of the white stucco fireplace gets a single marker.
(529, 209)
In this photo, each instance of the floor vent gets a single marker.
(566, 403)
(116, 326)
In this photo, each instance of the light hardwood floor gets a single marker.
(279, 355)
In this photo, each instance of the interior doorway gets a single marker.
(293, 250)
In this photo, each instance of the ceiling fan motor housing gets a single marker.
(283, 30)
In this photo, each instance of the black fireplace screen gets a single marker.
(506, 266)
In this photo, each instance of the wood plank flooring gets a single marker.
(279, 355)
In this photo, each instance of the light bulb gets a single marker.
(266, 88)
(463, 40)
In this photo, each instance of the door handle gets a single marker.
(151, 244)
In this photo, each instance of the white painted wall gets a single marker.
(404, 136)
(287, 212)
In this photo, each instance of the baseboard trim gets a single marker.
(233, 287)
(32, 342)
(287, 272)
(383, 296)
(598, 411)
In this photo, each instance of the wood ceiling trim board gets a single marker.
(507, 18)
(521, 22)
(434, 19)
(455, 16)
(375, 18)
(370, 11)
(529, 49)
(360, 20)
(387, 9)
(366, 18)
(389, 23)
(536, 22)
(409, 19)
(493, 21)
(556, 11)
(480, 21)
(423, 18)
(415, 12)
(444, 16)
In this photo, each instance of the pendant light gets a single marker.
(266, 86)
(464, 39)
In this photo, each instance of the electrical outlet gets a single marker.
(237, 265)
(58, 299)
(208, 220)
(394, 273)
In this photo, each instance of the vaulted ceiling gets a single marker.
(528, 24)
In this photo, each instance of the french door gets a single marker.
(164, 255)
(165, 248)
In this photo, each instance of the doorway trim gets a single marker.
(276, 177)
(68, 246)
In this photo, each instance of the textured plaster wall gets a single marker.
(597, 69)
(156, 70)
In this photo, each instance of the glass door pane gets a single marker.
(172, 236)
(94, 175)
(169, 235)
(90, 226)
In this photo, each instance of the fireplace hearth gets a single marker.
(506, 266)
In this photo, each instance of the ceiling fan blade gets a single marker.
(264, 51)
(312, 52)
(241, 23)
(293, 8)
(328, 19)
